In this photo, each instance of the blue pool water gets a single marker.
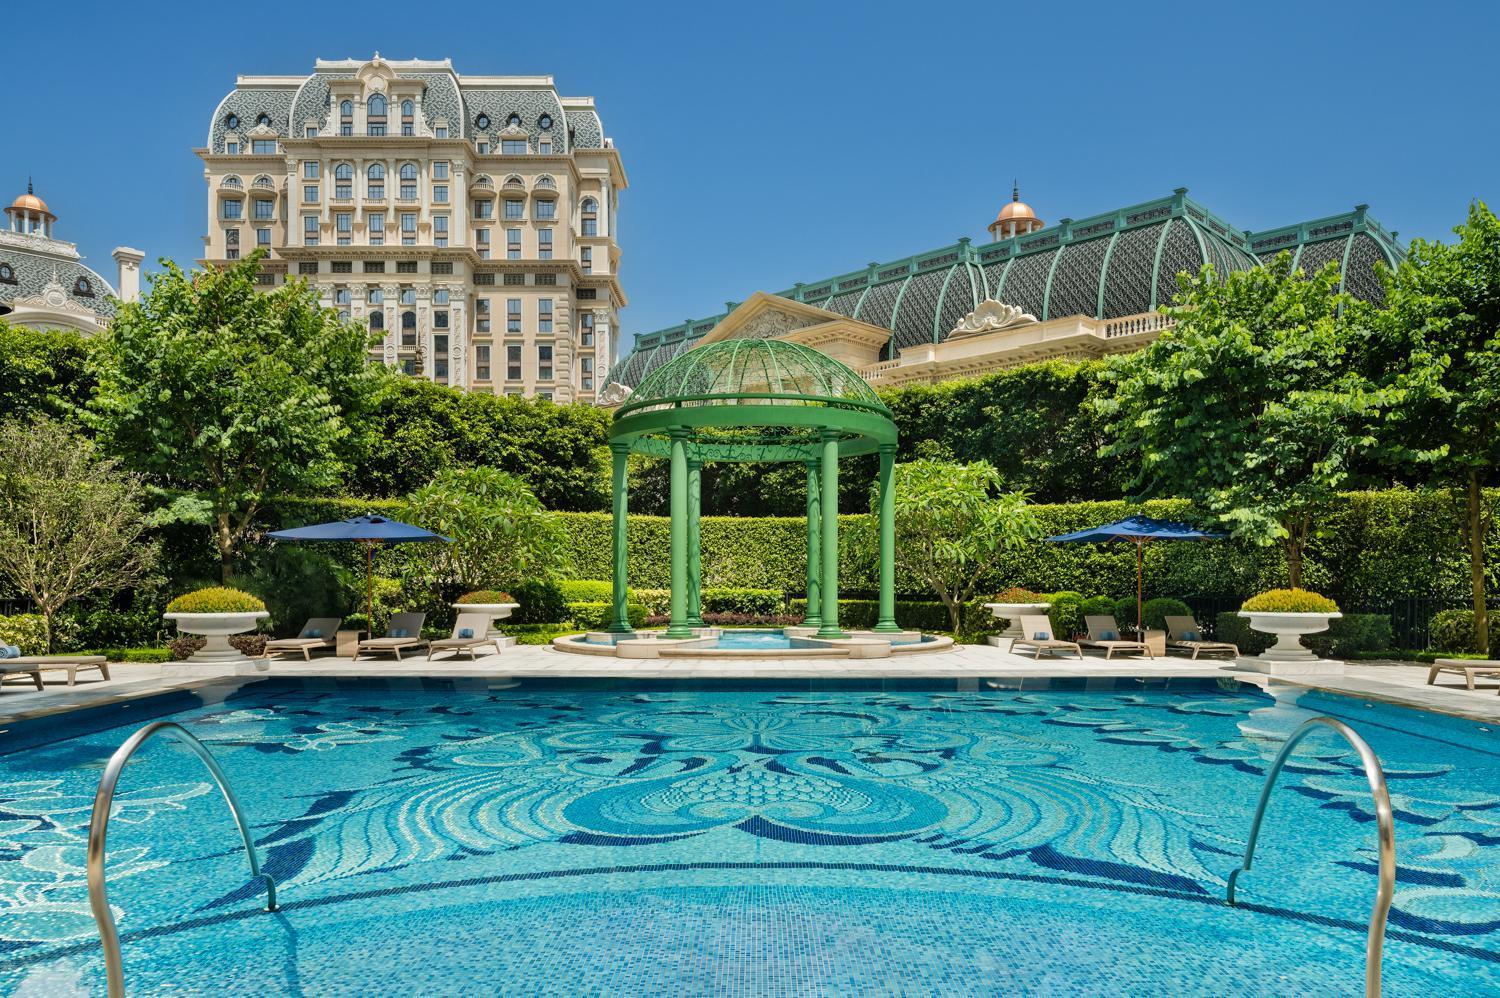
(828, 838)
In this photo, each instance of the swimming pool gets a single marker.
(559, 838)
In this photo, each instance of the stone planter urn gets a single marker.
(1013, 612)
(1287, 655)
(496, 611)
(216, 628)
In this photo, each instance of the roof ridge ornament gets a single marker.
(991, 316)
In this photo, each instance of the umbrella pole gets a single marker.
(1140, 624)
(370, 587)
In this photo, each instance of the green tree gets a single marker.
(70, 524)
(1250, 406)
(212, 385)
(1437, 344)
(44, 372)
(502, 536)
(953, 525)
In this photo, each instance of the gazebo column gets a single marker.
(814, 615)
(694, 543)
(829, 628)
(887, 618)
(678, 627)
(619, 622)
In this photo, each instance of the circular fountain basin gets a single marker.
(787, 643)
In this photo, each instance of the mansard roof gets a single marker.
(1116, 264)
(30, 264)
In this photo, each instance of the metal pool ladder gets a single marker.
(1385, 822)
(99, 827)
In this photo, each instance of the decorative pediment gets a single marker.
(615, 393)
(991, 317)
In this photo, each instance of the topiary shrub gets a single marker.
(217, 599)
(1453, 631)
(587, 590)
(1156, 611)
(726, 599)
(27, 631)
(1125, 611)
(1289, 601)
(1101, 606)
(1066, 613)
(541, 602)
(1015, 594)
(593, 615)
(482, 596)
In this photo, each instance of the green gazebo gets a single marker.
(755, 400)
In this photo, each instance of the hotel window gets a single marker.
(408, 367)
(341, 266)
(375, 115)
(440, 362)
(544, 244)
(484, 209)
(374, 266)
(513, 363)
(407, 110)
(341, 296)
(440, 319)
(513, 147)
(482, 243)
(548, 279)
(408, 329)
(482, 362)
(346, 118)
(263, 237)
(233, 148)
(310, 132)
(231, 244)
(591, 226)
(513, 315)
(440, 193)
(377, 230)
(586, 259)
(406, 266)
(307, 267)
(377, 321)
(544, 362)
(588, 374)
(515, 280)
(343, 181)
(408, 296)
(513, 244)
(310, 194)
(408, 182)
(440, 132)
(483, 148)
(544, 315)
(343, 225)
(440, 230)
(440, 170)
(233, 207)
(310, 170)
(442, 266)
(515, 209)
(309, 230)
(440, 296)
(263, 147)
(544, 147)
(408, 228)
(586, 334)
(546, 211)
(375, 185)
(264, 209)
(482, 313)
(374, 296)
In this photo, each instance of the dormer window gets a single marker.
(231, 120)
(514, 121)
(482, 122)
(82, 288)
(7, 274)
(263, 119)
(544, 122)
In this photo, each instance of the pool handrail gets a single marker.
(1386, 833)
(99, 828)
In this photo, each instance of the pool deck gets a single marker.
(1399, 683)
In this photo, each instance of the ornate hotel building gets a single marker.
(467, 220)
(1069, 290)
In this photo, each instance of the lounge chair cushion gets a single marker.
(399, 632)
(466, 632)
(1191, 636)
(9, 651)
(1041, 636)
(312, 632)
(1108, 635)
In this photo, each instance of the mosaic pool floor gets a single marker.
(591, 838)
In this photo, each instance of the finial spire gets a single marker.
(28, 184)
(1015, 190)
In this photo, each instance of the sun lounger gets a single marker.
(403, 633)
(468, 635)
(35, 665)
(1178, 631)
(318, 632)
(1104, 633)
(1036, 633)
(1470, 667)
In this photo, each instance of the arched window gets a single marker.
(377, 320)
(408, 320)
(343, 181)
(376, 171)
(590, 206)
(346, 109)
(408, 109)
(377, 106)
(408, 171)
(376, 178)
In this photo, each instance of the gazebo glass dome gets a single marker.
(754, 400)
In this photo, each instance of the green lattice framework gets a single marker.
(754, 401)
(1072, 267)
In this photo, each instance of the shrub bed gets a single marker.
(27, 631)
(1453, 631)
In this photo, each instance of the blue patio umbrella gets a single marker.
(1142, 530)
(371, 531)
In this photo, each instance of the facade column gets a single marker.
(814, 615)
(694, 543)
(678, 627)
(619, 621)
(829, 628)
(887, 619)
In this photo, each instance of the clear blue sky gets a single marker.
(769, 143)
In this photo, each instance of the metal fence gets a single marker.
(1409, 617)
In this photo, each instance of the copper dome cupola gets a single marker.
(30, 215)
(1015, 219)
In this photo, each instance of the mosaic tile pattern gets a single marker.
(753, 839)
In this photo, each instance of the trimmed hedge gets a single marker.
(27, 631)
(731, 599)
(1454, 631)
